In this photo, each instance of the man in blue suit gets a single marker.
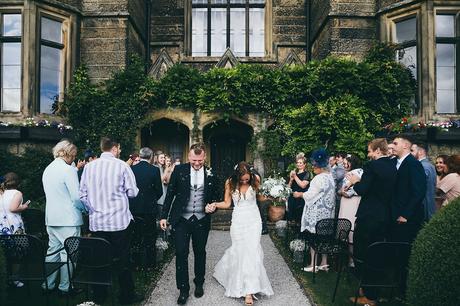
(419, 151)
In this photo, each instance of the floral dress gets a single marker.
(319, 201)
(10, 223)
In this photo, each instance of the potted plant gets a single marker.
(276, 189)
(8, 131)
(297, 246)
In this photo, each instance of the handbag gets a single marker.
(7, 229)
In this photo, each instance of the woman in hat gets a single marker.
(319, 200)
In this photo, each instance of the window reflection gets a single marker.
(51, 30)
(445, 78)
(12, 25)
(11, 62)
(50, 63)
(406, 30)
(445, 25)
(233, 24)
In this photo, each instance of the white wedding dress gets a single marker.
(241, 270)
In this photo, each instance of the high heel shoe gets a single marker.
(309, 269)
(323, 268)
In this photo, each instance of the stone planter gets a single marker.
(297, 256)
(47, 133)
(276, 213)
(11, 132)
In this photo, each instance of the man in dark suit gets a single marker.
(407, 211)
(376, 188)
(148, 181)
(190, 190)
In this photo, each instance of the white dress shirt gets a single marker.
(400, 161)
(196, 177)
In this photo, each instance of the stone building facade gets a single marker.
(44, 41)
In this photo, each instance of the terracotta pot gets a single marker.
(276, 213)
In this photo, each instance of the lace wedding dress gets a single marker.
(241, 270)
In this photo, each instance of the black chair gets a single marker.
(386, 262)
(91, 261)
(34, 223)
(330, 237)
(28, 253)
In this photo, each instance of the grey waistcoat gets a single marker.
(195, 205)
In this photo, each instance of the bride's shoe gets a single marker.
(323, 268)
(309, 269)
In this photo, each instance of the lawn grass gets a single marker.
(320, 292)
(144, 281)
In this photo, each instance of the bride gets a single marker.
(241, 271)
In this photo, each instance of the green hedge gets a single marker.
(29, 166)
(434, 269)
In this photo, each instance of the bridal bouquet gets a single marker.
(277, 189)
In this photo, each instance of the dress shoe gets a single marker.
(135, 298)
(362, 300)
(71, 292)
(309, 269)
(323, 268)
(199, 291)
(182, 300)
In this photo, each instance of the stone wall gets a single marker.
(289, 28)
(342, 27)
(110, 30)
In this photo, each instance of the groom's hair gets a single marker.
(198, 148)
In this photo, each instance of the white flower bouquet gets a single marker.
(276, 188)
(297, 245)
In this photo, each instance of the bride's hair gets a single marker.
(239, 170)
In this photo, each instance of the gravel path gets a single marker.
(287, 290)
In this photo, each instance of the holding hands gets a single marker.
(210, 208)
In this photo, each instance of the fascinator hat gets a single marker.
(319, 158)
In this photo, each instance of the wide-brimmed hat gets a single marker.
(319, 158)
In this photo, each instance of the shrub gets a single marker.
(434, 267)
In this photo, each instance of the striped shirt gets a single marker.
(106, 184)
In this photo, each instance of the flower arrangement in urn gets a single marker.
(277, 189)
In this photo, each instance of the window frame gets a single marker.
(227, 6)
(11, 39)
(451, 41)
(61, 46)
(410, 43)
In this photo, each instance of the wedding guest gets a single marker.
(419, 151)
(11, 207)
(177, 161)
(161, 159)
(376, 188)
(449, 187)
(319, 201)
(391, 152)
(168, 169)
(11, 201)
(144, 204)
(407, 211)
(155, 157)
(332, 162)
(63, 210)
(106, 185)
(88, 156)
(133, 159)
(349, 199)
(441, 168)
(298, 181)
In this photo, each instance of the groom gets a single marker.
(190, 189)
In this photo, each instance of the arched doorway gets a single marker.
(228, 145)
(168, 136)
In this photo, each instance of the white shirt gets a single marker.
(196, 177)
(400, 160)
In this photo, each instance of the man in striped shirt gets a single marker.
(106, 184)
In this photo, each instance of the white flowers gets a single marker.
(88, 304)
(275, 188)
(297, 245)
(209, 172)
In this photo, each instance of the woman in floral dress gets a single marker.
(319, 200)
